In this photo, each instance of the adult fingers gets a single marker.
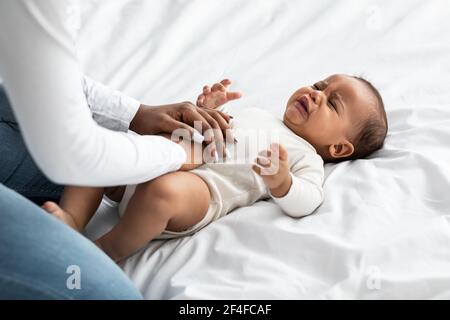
(226, 116)
(211, 136)
(178, 128)
(221, 119)
(224, 122)
(215, 135)
(200, 100)
(195, 118)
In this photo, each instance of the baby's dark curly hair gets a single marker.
(372, 131)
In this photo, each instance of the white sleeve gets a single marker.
(42, 78)
(110, 108)
(306, 192)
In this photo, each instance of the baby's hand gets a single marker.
(216, 96)
(273, 166)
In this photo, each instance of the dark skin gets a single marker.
(78, 204)
(325, 114)
(151, 120)
(335, 106)
(86, 200)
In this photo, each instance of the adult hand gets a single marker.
(150, 120)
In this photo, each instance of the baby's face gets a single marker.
(328, 114)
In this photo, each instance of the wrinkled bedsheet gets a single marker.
(383, 230)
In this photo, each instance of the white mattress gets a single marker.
(384, 228)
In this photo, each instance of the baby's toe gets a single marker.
(54, 210)
(50, 207)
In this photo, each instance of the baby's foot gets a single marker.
(60, 214)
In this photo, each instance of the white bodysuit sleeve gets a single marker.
(110, 108)
(306, 192)
(43, 81)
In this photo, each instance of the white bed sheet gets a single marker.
(383, 230)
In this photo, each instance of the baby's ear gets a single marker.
(342, 150)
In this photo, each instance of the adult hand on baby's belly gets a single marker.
(185, 117)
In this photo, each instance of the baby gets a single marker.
(339, 118)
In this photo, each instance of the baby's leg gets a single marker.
(175, 201)
(79, 204)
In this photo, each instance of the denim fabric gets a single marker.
(42, 258)
(18, 171)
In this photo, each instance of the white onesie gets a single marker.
(234, 184)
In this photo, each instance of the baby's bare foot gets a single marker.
(60, 214)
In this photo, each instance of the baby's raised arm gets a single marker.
(217, 95)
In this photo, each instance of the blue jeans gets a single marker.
(18, 171)
(40, 257)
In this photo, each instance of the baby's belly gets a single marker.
(232, 181)
(232, 185)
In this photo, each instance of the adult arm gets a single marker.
(42, 78)
(113, 110)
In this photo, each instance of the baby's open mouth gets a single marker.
(302, 105)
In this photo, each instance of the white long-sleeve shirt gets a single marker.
(111, 109)
(41, 75)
